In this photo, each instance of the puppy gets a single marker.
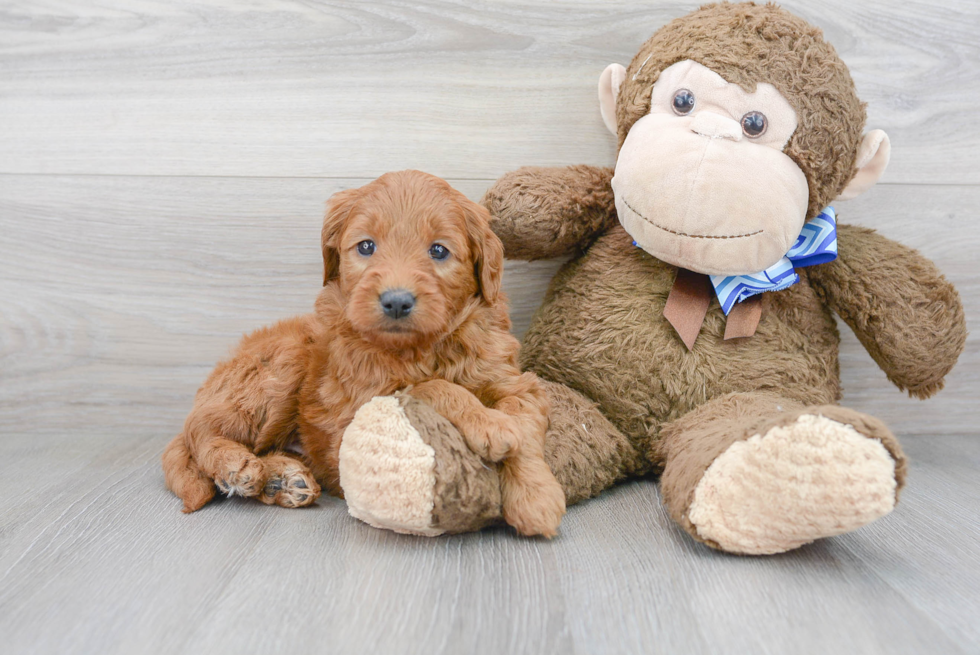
(411, 301)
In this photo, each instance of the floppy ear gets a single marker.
(338, 209)
(488, 251)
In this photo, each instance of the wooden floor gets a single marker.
(96, 558)
(163, 170)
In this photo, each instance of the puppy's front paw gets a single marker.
(240, 474)
(534, 503)
(497, 436)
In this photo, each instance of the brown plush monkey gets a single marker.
(737, 126)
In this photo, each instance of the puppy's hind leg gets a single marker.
(184, 477)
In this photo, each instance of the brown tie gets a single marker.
(687, 305)
(744, 318)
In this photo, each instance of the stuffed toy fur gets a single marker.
(738, 126)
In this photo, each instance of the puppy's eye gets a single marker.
(438, 251)
(683, 102)
(366, 247)
(754, 124)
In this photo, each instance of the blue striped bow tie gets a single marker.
(817, 244)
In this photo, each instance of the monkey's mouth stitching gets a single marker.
(692, 236)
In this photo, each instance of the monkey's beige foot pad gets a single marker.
(799, 482)
(405, 468)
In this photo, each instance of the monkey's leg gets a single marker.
(586, 452)
(405, 468)
(757, 474)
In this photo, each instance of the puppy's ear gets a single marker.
(338, 209)
(488, 251)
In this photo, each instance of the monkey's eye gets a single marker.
(754, 124)
(438, 251)
(366, 247)
(683, 102)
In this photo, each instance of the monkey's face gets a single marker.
(702, 181)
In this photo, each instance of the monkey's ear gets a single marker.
(609, 83)
(338, 209)
(872, 159)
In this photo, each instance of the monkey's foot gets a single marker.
(814, 477)
(405, 468)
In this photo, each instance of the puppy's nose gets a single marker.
(397, 303)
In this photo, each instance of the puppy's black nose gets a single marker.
(397, 303)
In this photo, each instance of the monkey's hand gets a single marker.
(540, 213)
(902, 309)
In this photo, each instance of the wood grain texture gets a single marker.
(97, 558)
(460, 89)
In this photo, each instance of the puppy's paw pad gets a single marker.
(294, 487)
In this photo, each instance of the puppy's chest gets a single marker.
(347, 387)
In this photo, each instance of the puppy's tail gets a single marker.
(184, 477)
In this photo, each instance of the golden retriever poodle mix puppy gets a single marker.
(411, 303)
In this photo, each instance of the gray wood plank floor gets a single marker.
(96, 558)
(163, 170)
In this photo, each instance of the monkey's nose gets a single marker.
(716, 126)
(397, 303)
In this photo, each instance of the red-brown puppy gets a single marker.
(411, 300)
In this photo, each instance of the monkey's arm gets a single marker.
(902, 309)
(550, 212)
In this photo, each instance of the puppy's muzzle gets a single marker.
(397, 303)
